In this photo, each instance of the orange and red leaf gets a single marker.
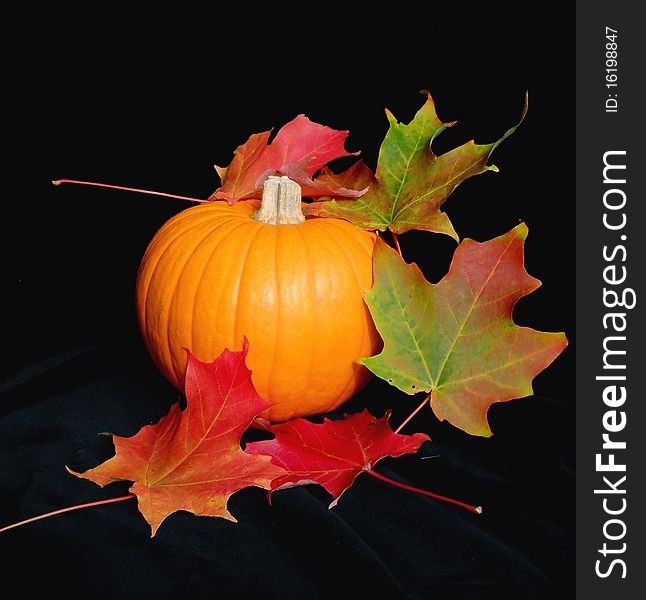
(191, 460)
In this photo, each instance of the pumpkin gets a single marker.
(216, 274)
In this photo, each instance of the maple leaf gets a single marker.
(191, 460)
(357, 177)
(300, 148)
(332, 453)
(412, 182)
(456, 339)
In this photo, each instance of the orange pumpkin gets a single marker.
(215, 273)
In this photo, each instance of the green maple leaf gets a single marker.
(411, 182)
(456, 339)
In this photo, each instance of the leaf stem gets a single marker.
(64, 510)
(474, 509)
(126, 189)
(409, 417)
(397, 246)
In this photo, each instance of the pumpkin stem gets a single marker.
(281, 202)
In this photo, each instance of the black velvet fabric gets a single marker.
(121, 101)
(378, 541)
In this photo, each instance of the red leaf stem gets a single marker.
(474, 509)
(64, 510)
(127, 189)
(409, 417)
(397, 246)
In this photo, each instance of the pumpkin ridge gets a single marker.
(167, 339)
(357, 281)
(243, 267)
(340, 226)
(172, 224)
(206, 264)
(311, 268)
(146, 284)
(348, 385)
(203, 210)
(278, 311)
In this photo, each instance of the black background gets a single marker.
(155, 106)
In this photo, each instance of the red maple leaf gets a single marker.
(332, 453)
(300, 148)
(191, 460)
